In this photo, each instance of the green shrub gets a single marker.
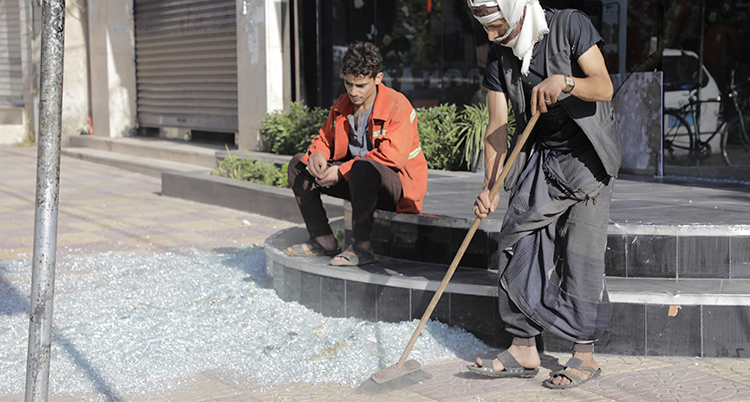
(288, 133)
(283, 179)
(471, 127)
(252, 170)
(450, 140)
(437, 136)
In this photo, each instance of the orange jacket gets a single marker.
(392, 129)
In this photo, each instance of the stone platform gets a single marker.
(678, 267)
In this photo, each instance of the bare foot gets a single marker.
(526, 356)
(588, 360)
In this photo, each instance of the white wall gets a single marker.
(263, 82)
(112, 50)
(75, 104)
(17, 122)
(262, 26)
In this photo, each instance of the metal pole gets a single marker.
(47, 190)
(701, 19)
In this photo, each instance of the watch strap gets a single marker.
(570, 84)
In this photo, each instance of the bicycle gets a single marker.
(734, 141)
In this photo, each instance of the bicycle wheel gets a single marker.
(735, 144)
(678, 139)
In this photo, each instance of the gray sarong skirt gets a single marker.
(555, 232)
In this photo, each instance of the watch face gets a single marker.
(570, 84)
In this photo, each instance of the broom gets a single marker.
(406, 373)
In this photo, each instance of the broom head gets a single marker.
(395, 377)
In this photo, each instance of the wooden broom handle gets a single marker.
(467, 239)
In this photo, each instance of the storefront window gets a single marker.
(428, 47)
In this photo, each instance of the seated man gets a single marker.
(367, 152)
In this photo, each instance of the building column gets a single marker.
(112, 66)
(262, 26)
(75, 106)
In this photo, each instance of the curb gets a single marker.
(273, 202)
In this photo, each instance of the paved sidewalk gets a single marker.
(107, 209)
(102, 208)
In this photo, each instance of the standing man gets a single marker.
(367, 152)
(555, 229)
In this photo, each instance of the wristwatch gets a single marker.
(570, 84)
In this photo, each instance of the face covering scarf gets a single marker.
(526, 24)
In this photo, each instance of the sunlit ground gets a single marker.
(124, 324)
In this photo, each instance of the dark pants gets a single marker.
(557, 222)
(371, 186)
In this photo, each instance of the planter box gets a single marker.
(270, 201)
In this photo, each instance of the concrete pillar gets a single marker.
(112, 63)
(17, 118)
(262, 26)
(75, 106)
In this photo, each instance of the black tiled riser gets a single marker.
(636, 329)
(635, 256)
(725, 257)
(433, 244)
(648, 330)
(335, 297)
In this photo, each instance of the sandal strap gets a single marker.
(577, 364)
(574, 379)
(361, 253)
(347, 255)
(312, 247)
(508, 361)
(313, 244)
(574, 362)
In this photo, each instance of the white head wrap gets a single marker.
(525, 19)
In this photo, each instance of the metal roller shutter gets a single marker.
(11, 73)
(186, 64)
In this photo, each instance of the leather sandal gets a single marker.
(511, 368)
(353, 256)
(575, 381)
(313, 248)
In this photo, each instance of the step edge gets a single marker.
(674, 297)
(99, 156)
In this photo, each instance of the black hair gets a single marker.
(361, 59)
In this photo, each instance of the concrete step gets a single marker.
(676, 246)
(144, 165)
(263, 156)
(651, 317)
(670, 251)
(188, 153)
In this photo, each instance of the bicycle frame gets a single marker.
(695, 110)
(682, 130)
(688, 113)
(738, 139)
(735, 101)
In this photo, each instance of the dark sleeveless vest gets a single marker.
(596, 119)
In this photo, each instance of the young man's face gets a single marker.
(362, 89)
(496, 29)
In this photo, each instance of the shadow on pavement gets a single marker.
(12, 302)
